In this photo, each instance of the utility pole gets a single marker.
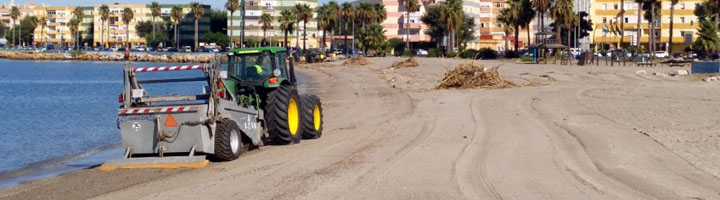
(242, 23)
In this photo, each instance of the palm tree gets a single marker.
(177, 14)
(304, 13)
(333, 18)
(323, 17)
(527, 14)
(639, 21)
(155, 11)
(127, 16)
(73, 25)
(198, 11)
(515, 11)
(652, 9)
(232, 6)
(672, 15)
(505, 18)
(542, 6)
(286, 20)
(571, 21)
(266, 23)
(380, 13)
(42, 21)
(451, 14)
(78, 14)
(373, 35)
(366, 13)
(716, 4)
(348, 14)
(104, 16)
(561, 10)
(410, 6)
(707, 38)
(14, 14)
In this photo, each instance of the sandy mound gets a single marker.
(357, 60)
(410, 62)
(471, 75)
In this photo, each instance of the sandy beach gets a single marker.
(581, 132)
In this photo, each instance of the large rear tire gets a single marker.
(228, 141)
(312, 117)
(282, 114)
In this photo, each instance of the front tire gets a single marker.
(312, 117)
(228, 141)
(282, 114)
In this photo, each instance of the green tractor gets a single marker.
(264, 78)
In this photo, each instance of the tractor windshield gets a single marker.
(252, 66)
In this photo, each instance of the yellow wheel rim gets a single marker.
(316, 117)
(293, 117)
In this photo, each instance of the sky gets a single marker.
(215, 4)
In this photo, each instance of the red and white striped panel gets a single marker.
(157, 110)
(168, 68)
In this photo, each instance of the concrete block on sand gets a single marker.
(641, 72)
(708, 79)
(679, 72)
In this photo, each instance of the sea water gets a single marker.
(60, 116)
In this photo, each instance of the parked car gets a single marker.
(187, 49)
(210, 49)
(171, 49)
(421, 53)
(661, 54)
(677, 55)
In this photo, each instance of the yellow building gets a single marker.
(116, 31)
(488, 32)
(56, 29)
(606, 13)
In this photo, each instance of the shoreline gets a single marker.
(111, 56)
(59, 166)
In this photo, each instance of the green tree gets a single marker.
(410, 7)
(73, 24)
(14, 15)
(527, 14)
(334, 20)
(365, 13)
(286, 20)
(672, 15)
(145, 30)
(373, 35)
(652, 10)
(707, 38)
(78, 15)
(431, 18)
(542, 6)
(715, 5)
(451, 14)
(104, 16)
(561, 10)
(304, 14)
(326, 17)
(42, 21)
(127, 16)
(177, 14)
(266, 23)
(639, 20)
(155, 12)
(381, 12)
(217, 38)
(198, 11)
(348, 15)
(506, 19)
(232, 6)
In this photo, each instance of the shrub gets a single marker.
(433, 53)
(451, 54)
(470, 53)
(510, 54)
(487, 53)
(409, 53)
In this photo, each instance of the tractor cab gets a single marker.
(266, 67)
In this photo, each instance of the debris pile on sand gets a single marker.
(410, 62)
(356, 61)
(471, 75)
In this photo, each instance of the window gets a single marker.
(482, 25)
(615, 5)
(604, 7)
(691, 22)
(682, 20)
(682, 6)
(604, 20)
(626, 20)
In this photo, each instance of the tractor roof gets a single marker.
(258, 50)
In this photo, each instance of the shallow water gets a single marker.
(60, 116)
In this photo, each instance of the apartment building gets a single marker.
(56, 29)
(25, 10)
(606, 13)
(253, 29)
(116, 31)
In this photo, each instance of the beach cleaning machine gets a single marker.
(220, 123)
